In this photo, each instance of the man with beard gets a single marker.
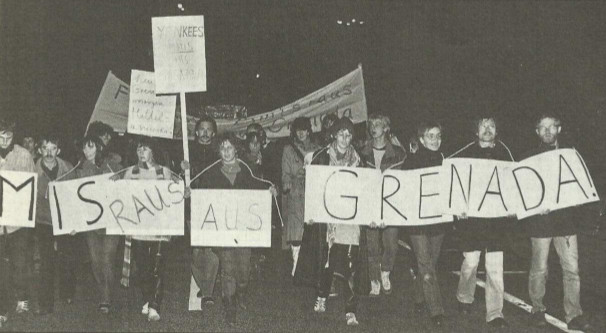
(561, 228)
(203, 153)
(15, 242)
(483, 234)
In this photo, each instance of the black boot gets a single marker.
(229, 305)
(242, 297)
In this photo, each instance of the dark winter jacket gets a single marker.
(65, 172)
(425, 158)
(213, 178)
(484, 233)
(393, 159)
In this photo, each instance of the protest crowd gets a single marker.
(328, 184)
(354, 258)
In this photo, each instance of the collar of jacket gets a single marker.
(389, 150)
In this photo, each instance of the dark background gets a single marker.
(443, 60)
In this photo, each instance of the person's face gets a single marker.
(49, 151)
(90, 151)
(205, 132)
(344, 139)
(29, 144)
(144, 154)
(432, 139)
(228, 152)
(6, 138)
(377, 129)
(105, 138)
(548, 130)
(302, 135)
(254, 146)
(487, 130)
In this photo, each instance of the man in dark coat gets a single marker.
(561, 228)
(482, 234)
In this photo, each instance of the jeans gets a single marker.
(204, 268)
(341, 258)
(377, 239)
(494, 281)
(427, 288)
(235, 269)
(149, 257)
(16, 254)
(566, 247)
(64, 258)
(102, 249)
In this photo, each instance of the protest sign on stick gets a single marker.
(149, 114)
(412, 197)
(179, 62)
(18, 198)
(231, 218)
(146, 207)
(478, 187)
(341, 195)
(553, 180)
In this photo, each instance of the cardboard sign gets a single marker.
(341, 195)
(552, 180)
(478, 187)
(112, 104)
(231, 218)
(412, 197)
(179, 54)
(18, 198)
(146, 207)
(80, 204)
(149, 114)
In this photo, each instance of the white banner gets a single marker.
(478, 187)
(179, 54)
(344, 97)
(412, 197)
(341, 195)
(146, 207)
(149, 114)
(80, 205)
(553, 180)
(231, 218)
(112, 104)
(18, 198)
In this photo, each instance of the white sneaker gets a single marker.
(320, 305)
(153, 315)
(351, 319)
(22, 307)
(145, 309)
(386, 283)
(375, 288)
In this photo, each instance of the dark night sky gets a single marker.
(448, 60)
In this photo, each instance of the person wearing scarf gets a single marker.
(230, 173)
(328, 248)
(102, 247)
(293, 183)
(149, 250)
